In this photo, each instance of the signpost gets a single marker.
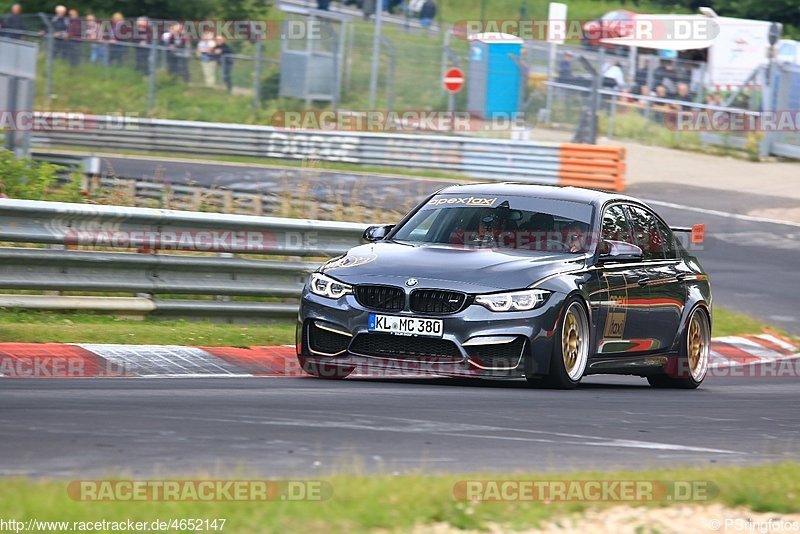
(453, 81)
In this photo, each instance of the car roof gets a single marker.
(573, 194)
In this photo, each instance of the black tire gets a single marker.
(324, 371)
(563, 374)
(686, 374)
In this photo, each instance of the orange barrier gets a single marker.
(598, 167)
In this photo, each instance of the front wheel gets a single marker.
(570, 349)
(692, 362)
(323, 370)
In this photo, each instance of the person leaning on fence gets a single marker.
(143, 36)
(59, 28)
(117, 51)
(224, 56)
(11, 24)
(208, 62)
(92, 34)
(74, 37)
(177, 55)
(564, 71)
(683, 94)
(427, 13)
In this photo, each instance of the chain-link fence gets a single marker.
(154, 70)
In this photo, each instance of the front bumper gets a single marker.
(476, 342)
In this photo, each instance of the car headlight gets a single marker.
(325, 286)
(527, 299)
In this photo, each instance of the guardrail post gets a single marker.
(257, 75)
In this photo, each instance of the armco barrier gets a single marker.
(149, 270)
(600, 167)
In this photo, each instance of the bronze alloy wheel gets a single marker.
(698, 344)
(575, 341)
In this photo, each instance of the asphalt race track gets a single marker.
(747, 259)
(305, 426)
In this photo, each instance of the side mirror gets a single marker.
(377, 232)
(619, 251)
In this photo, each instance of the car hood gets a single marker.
(446, 267)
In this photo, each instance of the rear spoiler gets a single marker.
(698, 232)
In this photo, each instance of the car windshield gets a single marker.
(500, 222)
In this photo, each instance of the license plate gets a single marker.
(405, 326)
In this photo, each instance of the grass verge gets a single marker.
(398, 503)
(731, 323)
(53, 327)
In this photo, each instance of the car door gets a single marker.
(661, 275)
(621, 318)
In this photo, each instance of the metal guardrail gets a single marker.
(494, 159)
(151, 271)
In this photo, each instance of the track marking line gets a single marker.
(728, 215)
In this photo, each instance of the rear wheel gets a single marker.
(570, 349)
(323, 370)
(692, 362)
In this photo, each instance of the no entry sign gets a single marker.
(454, 80)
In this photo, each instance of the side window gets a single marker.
(616, 226)
(668, 239)
(420, 232)
(645, 233)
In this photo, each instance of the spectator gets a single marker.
(208, 62)
(143, 36)
(74, 36)
(644, 91)
(683, 93)
(116, 50)
(665, 75)
(613, 73)
(224, 56)
(12, 23)
(368, 8)
(93, 34)
(59, 24)
(564, 72)
(324, 5)
(177, 58)
(714, 99)
(660, 108)
(427, 13)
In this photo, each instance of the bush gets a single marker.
(31, 180)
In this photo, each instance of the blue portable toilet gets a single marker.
(494, 76)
